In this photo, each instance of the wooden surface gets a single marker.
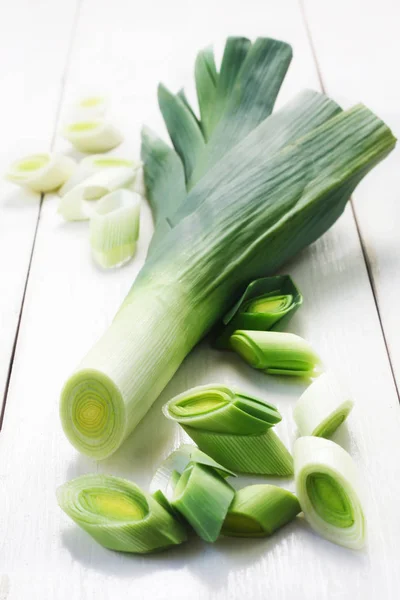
(55, 51)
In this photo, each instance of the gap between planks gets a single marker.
(353, 211)
(64, 78)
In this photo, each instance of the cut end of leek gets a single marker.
(327, 489)
(41, 172)
(276, 353)
(322, 408)
(94, 105)
(259, 510)
(114, 228)
(95, 135)
(119, 515)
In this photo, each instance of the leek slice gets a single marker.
(92, 106)
(259, 510)
(322, 408)
(233, 428)
(266, 304)
(41, 172)
(92, 136)
(203, 498)
(276, 353)
(97, 162)
(114, 228)
(328, 491)
(119, 515)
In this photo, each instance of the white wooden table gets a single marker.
(54, 303)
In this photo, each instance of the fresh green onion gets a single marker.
(41, 172)
(276, 353)
(203, 497)
(119, 515)
(322, 407)
(327, 489)
(266, 304)
(114, 228)
(259, 510)
(92, 136)
(249, 214)
(233, 428)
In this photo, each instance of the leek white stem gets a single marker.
(95, 135)
(92, 106)
(114, 228)
(322, 407)
(41, 172)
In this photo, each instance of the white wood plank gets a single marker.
(358, 47)
(34, 38)
(128, 50)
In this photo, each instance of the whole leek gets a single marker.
(119, 515)
(327, 489)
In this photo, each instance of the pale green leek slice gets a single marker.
(119, 515)
(41, 172)
(328, 491)
(114, 228)
(90, 106)
(276, 353)
(323, 407)
(259, 510)
(203, 497)
(93, 136)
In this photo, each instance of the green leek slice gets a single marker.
(203, 498)
(322, 408)
(328, 491)
(276, 353)
(119, 515)
(114, 228)
(91, 106)
(41, 172)
(266, 304)
(259, 510)
(92, 136)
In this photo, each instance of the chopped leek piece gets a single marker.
(95, 135)
(114, 228)
(92, 106)
(327, 489)
(276, 353)
(41, 172)
(322, 407)
(259, 510)
(119, 515)
(96, 162)
(233, 428)
(203, 498)
(266, 304)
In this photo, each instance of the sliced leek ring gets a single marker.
(93, 135)
(41, 172)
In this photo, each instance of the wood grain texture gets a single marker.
(69, 302)
(34, 56)
(357, 45)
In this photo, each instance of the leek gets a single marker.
(322, 408)
(203, 497)
(259, 510)
(206, 77)
(92, 136)
(114, 228)
(41, 172)
(327, 489)
(233, 428)
(119, 515)
(269, 196)
(90, 106)
(267, 303)
(276, 353)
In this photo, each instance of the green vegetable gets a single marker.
(276, 353)
(266, 304)
(114, 228)
(270, 195)
(96, 135)
(203, 498)
(327, 489)
(259, 510)
(41, 172)
(206, 77)
(119, 515)
(322, 407)
(233, 428)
